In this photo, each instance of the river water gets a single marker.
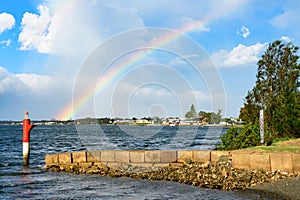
(18, 182)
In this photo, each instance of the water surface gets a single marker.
(17, 182)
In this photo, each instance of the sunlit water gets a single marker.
(17, 182)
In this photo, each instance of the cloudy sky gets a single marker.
(63, 59)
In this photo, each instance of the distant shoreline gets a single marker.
(49, 123)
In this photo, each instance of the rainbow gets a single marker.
(113, 73)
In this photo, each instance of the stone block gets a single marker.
(260, 161)
(122, 156)
(282, 162)
(137, 156)
(296, 163)
(79, 157)
(114, 165)
(152, 156)
(168, 156)
(51, 159)
(215, 155)
(241, 160)
(93, 156)
(65, 158)
(184, 154)
(108, 156)
(201, 156)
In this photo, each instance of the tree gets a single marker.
(202, 114)
(276, 91)
(211, 117)
(191, 113)
(214, 118)
(157, 120)
(249, 113)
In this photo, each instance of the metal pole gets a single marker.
(261, 126)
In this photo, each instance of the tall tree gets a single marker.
(192, 112)
(276, 91)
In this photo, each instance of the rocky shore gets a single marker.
(215, 175)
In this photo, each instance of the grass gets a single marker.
(282, 145)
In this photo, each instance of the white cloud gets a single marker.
(286, 19)
(3, 73)
(151, 92)
(35, 33)
(75, 29)
(6, 43)
(8, 82)
(190, 25)
(240, 55)
(285, 38)
(181, 61)
(11, 83)
(244, 32)
(35, 82)
(7, 21)
(42, 95)
(200, 96)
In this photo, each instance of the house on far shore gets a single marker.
(143, 122)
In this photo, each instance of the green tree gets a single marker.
(212, 118)
(191, 113)
(249, 113)
(202, 114)
(276, 91)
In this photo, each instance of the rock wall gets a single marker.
(286, 162)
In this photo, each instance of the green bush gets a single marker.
(239, 138)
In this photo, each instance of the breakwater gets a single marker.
(286, 162)
(210, 169)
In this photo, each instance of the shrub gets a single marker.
(239, 138)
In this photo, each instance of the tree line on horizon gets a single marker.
(209, 117)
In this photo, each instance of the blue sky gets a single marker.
(44, 45)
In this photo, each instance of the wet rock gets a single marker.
(93, 170)
(218, 175)
(54, 168)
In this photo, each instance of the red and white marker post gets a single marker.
(26, 138)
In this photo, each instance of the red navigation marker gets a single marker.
(26, 138)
